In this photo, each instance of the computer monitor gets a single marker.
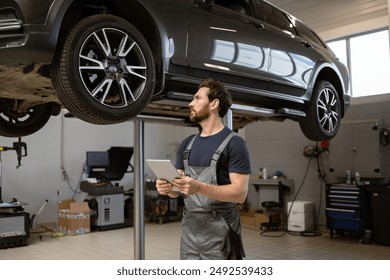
(97, 164)
(109, 165)
(119, 162)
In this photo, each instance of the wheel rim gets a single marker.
(112, 68)
(16, 118)
(328, 110)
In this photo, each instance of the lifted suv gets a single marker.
(108, 61)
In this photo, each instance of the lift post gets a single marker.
(139, 180)
(139, 191)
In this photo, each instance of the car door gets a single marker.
(292, 58)
(230, 44)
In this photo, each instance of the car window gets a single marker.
(238, 6)
(278, 18)
(306, 34)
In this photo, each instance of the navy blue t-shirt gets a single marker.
(234, 159)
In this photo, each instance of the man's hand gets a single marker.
(236, 191)
(187, 185)
(163, 187)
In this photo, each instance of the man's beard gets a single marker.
(202, 115)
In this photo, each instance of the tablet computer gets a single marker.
(163, 169)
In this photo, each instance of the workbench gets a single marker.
(264, 187)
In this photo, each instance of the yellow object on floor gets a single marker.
(54, 233)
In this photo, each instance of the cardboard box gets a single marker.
(74, 217)
(253, 218)
(248, 218)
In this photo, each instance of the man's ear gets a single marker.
(214, 103)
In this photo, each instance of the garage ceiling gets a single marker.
(326, 15)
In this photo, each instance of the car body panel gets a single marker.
(237, 52)
(266, 57)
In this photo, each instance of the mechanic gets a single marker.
(215, 165)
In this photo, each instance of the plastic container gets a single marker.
(260, 173)
(348, 175)
(357, 178)
(264, 173)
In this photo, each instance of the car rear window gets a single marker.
(278, 18)
(306, 34)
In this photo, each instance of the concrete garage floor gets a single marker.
(162, 243)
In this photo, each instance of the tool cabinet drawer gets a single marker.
(345, 224)
(343, 213)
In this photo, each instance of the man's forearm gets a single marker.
(226, 193)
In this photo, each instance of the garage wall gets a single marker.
(279, 147)
(60, 147)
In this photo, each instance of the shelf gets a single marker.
(281, 185)
(287, 184)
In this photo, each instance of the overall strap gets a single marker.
(187, 151)
(219, 151)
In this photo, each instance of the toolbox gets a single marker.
(344, 204)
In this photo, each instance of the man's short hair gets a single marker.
(218, 91)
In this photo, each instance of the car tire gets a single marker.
(19, 124)
(104, 70)
(323, 116)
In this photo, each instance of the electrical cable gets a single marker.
(289, 210)
(304, 233)
(75, 191)
(322, 180)
(314, 233)
(64, 173)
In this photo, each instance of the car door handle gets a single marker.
(258, 25)
(306, 44)
(253, 23)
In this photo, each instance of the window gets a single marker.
(278, 19)
(307, 34)
(340, 49)
(369, 62)
(234, 5)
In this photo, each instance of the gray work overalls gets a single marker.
(211, 229)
